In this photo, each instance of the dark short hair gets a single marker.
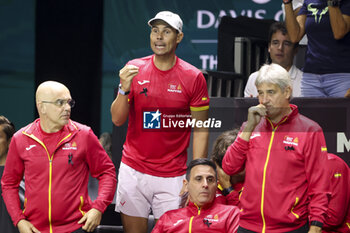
(221, 144)
(8, 127)
(276, 27)
(201, 161)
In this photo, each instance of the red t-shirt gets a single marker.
(160, 107)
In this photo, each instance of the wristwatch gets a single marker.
(227, 191)
(316, 223)
(120, 90)
(333, 2)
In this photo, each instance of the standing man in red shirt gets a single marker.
(156, 93)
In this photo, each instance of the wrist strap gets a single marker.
(227, 191)
(316, 223)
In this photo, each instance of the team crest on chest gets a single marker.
(70, 146)
(175, 88)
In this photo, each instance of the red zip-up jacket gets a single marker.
(56, 193)
(339, 204)
(213, 218)
(284, 175)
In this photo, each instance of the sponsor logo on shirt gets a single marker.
(30, 147)
(254, 135)
(178, 221)
(315, 12)
(209, 219)
(143, 82)
(174, 88)
(70, 146)
(291, 141)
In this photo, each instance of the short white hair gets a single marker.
(274, 74)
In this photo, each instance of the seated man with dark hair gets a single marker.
(229, 187)
(203, 214)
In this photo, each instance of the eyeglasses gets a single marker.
(60, 102)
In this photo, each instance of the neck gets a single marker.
(288, 67)
(47, 128)
(164, 62)
(278, 118)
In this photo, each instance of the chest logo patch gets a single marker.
(291, 141)
(174, 88)
(210, 219)
(70, 146)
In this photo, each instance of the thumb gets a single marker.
(83, 219)
(35, 230)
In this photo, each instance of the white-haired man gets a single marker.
(283, 153)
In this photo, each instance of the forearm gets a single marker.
(293, 27)
(200, 143)
(340, 26)
(246, 132)
(120, 110)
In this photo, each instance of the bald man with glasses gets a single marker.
(56, 155)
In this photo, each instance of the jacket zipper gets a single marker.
(191, 220)
(264, 175)
(50, 170)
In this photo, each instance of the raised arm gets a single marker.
(295, 25)
(340, 23)
(120, 106)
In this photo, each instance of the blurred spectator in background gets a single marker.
(282, 52)
(7, 129)
(327, 26)
(229, 187)
(106, 142)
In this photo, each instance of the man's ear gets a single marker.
(185, 185)
(288, 92)
(179, 37)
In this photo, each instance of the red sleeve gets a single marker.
(200, 98)
(13, 174)
(235, 157)
(232, 221)
(318, 180)
(102, 168)
(158, 228)
(233, 198)
(339, 176)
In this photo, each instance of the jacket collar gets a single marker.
(285, 119)
(33, 128)
(196, 210)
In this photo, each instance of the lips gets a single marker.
(160, 46)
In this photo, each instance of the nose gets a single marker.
(67, 106)
(159, 36)
(205, 183)
(280, 46)
(264, 99)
